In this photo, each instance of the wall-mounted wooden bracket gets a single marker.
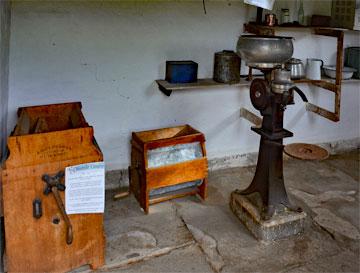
(322, 112)
(250, 116)
(162, 88)
(334, 87)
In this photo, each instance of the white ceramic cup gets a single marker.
(313, 69)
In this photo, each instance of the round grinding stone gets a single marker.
(306, 151)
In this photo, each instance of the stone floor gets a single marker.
(189, 235)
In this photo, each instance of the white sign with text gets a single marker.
(85, 188)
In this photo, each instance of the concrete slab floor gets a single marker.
(189, 235)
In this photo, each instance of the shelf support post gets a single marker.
(333, 116)
(250, 116)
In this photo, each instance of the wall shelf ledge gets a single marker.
(167, 88)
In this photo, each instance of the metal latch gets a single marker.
(54, 185)
(37, 208)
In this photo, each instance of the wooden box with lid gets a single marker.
(45, 141)
(167, 163)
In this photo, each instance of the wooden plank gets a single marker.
(203, 149)
(324, 83)
(243, 82)
(339, 69)
(250, 116)
(136, 174)
(23, 125)
(333, 116)
(259, 30)
(270, 31)
(49, 109)
(339, 58)
(41, 126)
(159, 199)
(121, 195)
(1, 195)
(170, 175)
(153, 135)
(203, 189)
(175, 141)
(57, 116)
(199, 84)
(153, 139)
(322, 112)
(328, 32)
(50, 147)
(135, 145)
(76, 117)
(144, 186)
(22, 172)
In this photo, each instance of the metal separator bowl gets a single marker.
(265, 51)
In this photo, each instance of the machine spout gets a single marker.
(301, 93)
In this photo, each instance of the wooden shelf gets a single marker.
(326, 83)
(266, 30)
(167, 88)
(327, 80)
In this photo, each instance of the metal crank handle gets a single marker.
(69, 232)
(301, 93)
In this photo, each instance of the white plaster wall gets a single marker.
(4, 71)
(108, 54)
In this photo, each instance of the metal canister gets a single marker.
(270, 19)
(352, 59)
(227, 67)
(285, 16)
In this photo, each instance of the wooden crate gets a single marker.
(45, 140)
(144, 179)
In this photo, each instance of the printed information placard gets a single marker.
(85, 188)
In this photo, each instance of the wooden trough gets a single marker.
(152, 181)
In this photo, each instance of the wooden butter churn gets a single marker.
(167, 163)
(39, 235)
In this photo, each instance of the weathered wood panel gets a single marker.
(39, 245)
(144, 179)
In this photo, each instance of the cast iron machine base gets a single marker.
(269, 180)
(266, 199)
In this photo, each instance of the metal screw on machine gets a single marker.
(54, 185)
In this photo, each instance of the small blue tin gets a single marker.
(181, 71)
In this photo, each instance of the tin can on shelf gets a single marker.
(285, 16)
(226, 67)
